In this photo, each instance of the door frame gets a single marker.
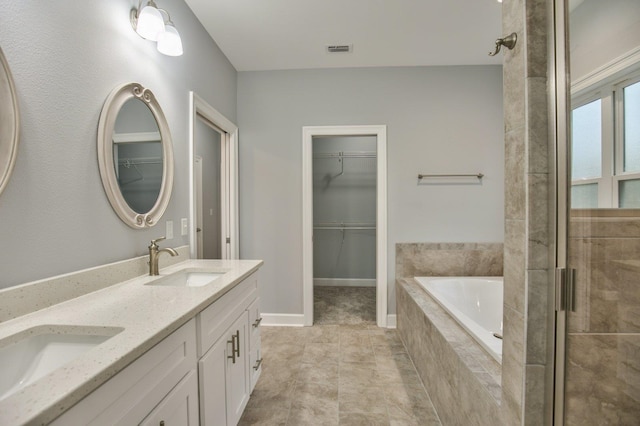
(308, 132)
(198, 107)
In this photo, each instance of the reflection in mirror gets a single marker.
(137, 154)
(9, 123)
(605, 101)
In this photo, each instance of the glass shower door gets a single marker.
(601, 324)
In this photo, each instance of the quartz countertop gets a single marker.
(146, 314)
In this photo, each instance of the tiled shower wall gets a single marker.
(529, 166)
(604, 333)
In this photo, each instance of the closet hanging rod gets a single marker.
(352, 154)
(351, 225)
(344, 228)
(128, 162)
(476, 175)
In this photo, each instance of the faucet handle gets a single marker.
(154, 242)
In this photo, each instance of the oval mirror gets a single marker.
(135, 155)
(9, 123)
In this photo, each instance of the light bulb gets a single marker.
(169, 41)
(150, 23)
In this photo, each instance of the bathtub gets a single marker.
(475, 303)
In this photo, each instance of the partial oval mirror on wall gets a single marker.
(9, 123)
(135, 155)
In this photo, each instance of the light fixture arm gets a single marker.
(168, 20)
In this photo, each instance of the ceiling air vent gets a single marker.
(340, 48)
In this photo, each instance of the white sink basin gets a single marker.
(38, 354)
(188, 279)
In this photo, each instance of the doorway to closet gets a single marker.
(345, 261)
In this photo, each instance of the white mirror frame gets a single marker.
(110, 111)
(9, 123)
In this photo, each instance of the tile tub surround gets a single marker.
(147, 314)
(30, 297)
(462, 379)
(448, 259)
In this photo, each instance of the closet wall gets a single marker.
(344, 210)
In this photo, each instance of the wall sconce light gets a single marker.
(148, 21)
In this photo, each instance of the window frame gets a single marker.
(611, 95)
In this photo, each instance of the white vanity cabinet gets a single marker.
(161, 386)
(225, 369)
(201, 374)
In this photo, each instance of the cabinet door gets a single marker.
(238, 380)
(179, 407)
(212, 374)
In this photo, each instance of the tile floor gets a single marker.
(342, 371)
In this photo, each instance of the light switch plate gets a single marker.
(169, 233)
(184, 226)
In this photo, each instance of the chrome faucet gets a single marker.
(154, 254)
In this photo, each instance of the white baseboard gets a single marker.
(297, 320)
(283, 320)
(344, 282)
(391, 321)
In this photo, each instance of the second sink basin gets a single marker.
(188, 279)
(37, 352)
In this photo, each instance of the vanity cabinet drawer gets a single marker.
(214, 320)
(131, 395)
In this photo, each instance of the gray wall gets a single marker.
(602, 31)
(439, 120)
(66, 57)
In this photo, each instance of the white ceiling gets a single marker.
(293, 34)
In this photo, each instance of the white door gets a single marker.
(198, 192)
(224, 212)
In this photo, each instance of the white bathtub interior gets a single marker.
(475, 303)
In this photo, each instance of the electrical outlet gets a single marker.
(169, 233)
(184, 226)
